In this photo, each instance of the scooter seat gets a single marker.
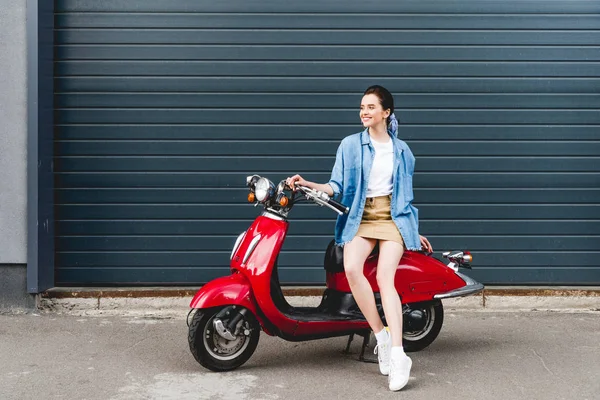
(334, 257)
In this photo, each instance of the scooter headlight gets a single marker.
(263, 189)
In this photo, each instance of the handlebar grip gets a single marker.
(324, 198)
(338, 206)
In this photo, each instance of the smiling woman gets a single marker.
(380, 212)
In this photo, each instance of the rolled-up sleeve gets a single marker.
(337, 173)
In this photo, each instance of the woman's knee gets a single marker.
(355, 254)
(390, 254)
(385, 277)
(354, 271)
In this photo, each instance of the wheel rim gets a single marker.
(221, 348)
(418, 335)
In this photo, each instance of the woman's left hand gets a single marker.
(425, 245)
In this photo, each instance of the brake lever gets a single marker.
(318, 197)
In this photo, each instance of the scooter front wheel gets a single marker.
(215, 352)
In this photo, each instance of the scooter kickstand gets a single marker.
(350, 339)
(366, 338)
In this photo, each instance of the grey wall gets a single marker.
(13, 133)
(13, 155)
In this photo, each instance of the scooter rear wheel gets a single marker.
(418, 340)
(215, 352)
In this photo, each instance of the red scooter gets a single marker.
(228, 313)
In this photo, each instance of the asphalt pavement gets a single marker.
(478, 355)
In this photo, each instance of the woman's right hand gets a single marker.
(296, 179)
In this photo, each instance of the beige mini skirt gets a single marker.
(377, 221)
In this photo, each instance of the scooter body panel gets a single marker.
(255, 259)
(418, 278)
(257, 252)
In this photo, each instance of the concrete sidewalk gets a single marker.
(478, 355)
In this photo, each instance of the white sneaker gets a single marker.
(383, 351)
(399, 369)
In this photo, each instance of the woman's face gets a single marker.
(371, 111)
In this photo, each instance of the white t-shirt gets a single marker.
(380, 181)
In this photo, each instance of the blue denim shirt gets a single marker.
(350, 178)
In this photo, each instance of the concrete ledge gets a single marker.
(174, 302)
(162, 291)
(128, 292)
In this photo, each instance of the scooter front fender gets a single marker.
(227, 290)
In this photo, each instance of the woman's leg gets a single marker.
(355, 255)
(390, 253)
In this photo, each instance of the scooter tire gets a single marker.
(208, 358)
(417, 341)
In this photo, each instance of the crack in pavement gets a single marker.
(542, 360)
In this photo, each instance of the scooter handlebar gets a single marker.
(323, 199)
(338, 206)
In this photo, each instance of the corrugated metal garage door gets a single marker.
(163, 108)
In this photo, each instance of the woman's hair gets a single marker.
(385, 98)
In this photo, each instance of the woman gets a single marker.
(373, 173)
